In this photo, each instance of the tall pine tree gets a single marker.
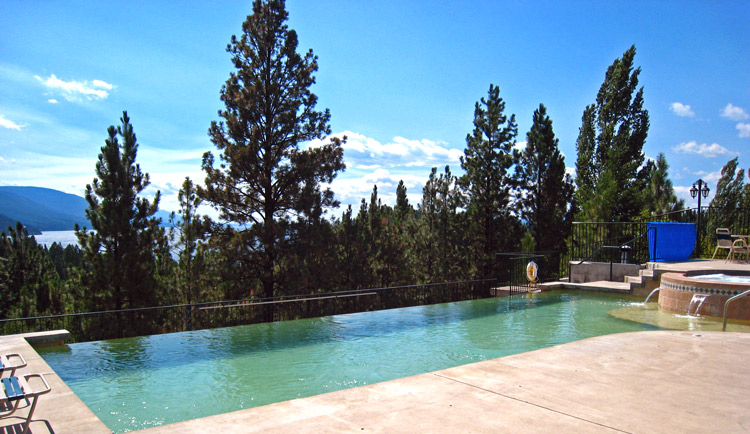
(609, 173)
(488, 156)
(264, 179)
(191, 229)
(118, 267)
(545, 191)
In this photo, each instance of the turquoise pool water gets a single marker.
(140, 382)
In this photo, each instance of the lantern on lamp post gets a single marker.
(699, 188)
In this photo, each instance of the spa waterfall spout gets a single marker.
(652, 293)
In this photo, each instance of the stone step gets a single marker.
(604, 286)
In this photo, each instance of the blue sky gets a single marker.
(400, 78)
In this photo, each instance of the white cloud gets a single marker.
(710, 151)
(744, 130)
(684, 194)
(351, 189)
(102, 84)
(370, 162)
(9, 124)
(174, 157)
(364, 151)
(734, 113)
(681, 109)
(52, 101)
(520, 146)
(711, 177)
(76, 90)
(363, 166)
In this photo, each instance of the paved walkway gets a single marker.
(659, 381)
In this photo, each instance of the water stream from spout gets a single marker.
(698, 299)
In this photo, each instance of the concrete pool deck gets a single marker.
(656, 381)
(60, 410)
(660, 381)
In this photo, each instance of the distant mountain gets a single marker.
(45, 209)
(7, 222)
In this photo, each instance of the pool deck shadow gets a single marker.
(656, 381)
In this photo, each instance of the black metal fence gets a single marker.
(602, 241)
(513, 269)
(90, 326)
(588, 239)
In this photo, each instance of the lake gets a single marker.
(64, 238)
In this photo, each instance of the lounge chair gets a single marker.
(17, 389)
(6, 365)
(723, 241)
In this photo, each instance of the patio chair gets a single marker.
(6, 365)
(723, 241)
(17, 389)
(739, 246)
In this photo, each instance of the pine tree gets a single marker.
(352, 251)
(438, 252)
(118, 267)
(487, 159)
(29, 285)
(386, 255)
(263, 177)
(425, 244)
(191, 232)
(545, 190)
(728, 198)
(610, 143)
(659, 196)
(402, 202)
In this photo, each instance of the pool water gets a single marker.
(140, 382)
(721, 277)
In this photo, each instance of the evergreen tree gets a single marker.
(610, 146)
(402, 202)
(191, 228)
(386, 253)
(307, 267)
(487, 158)
(728, 198)
(118, 267)
(352, 250)
(437, 246)
(425, 244)
(263, 176)
(29, 285)
(65, 259)
(659, 196)
(453, 263)
(545, 190)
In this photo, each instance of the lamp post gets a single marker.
(699, 188)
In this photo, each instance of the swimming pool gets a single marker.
(135, 383)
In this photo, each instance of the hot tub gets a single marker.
(678, 290)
